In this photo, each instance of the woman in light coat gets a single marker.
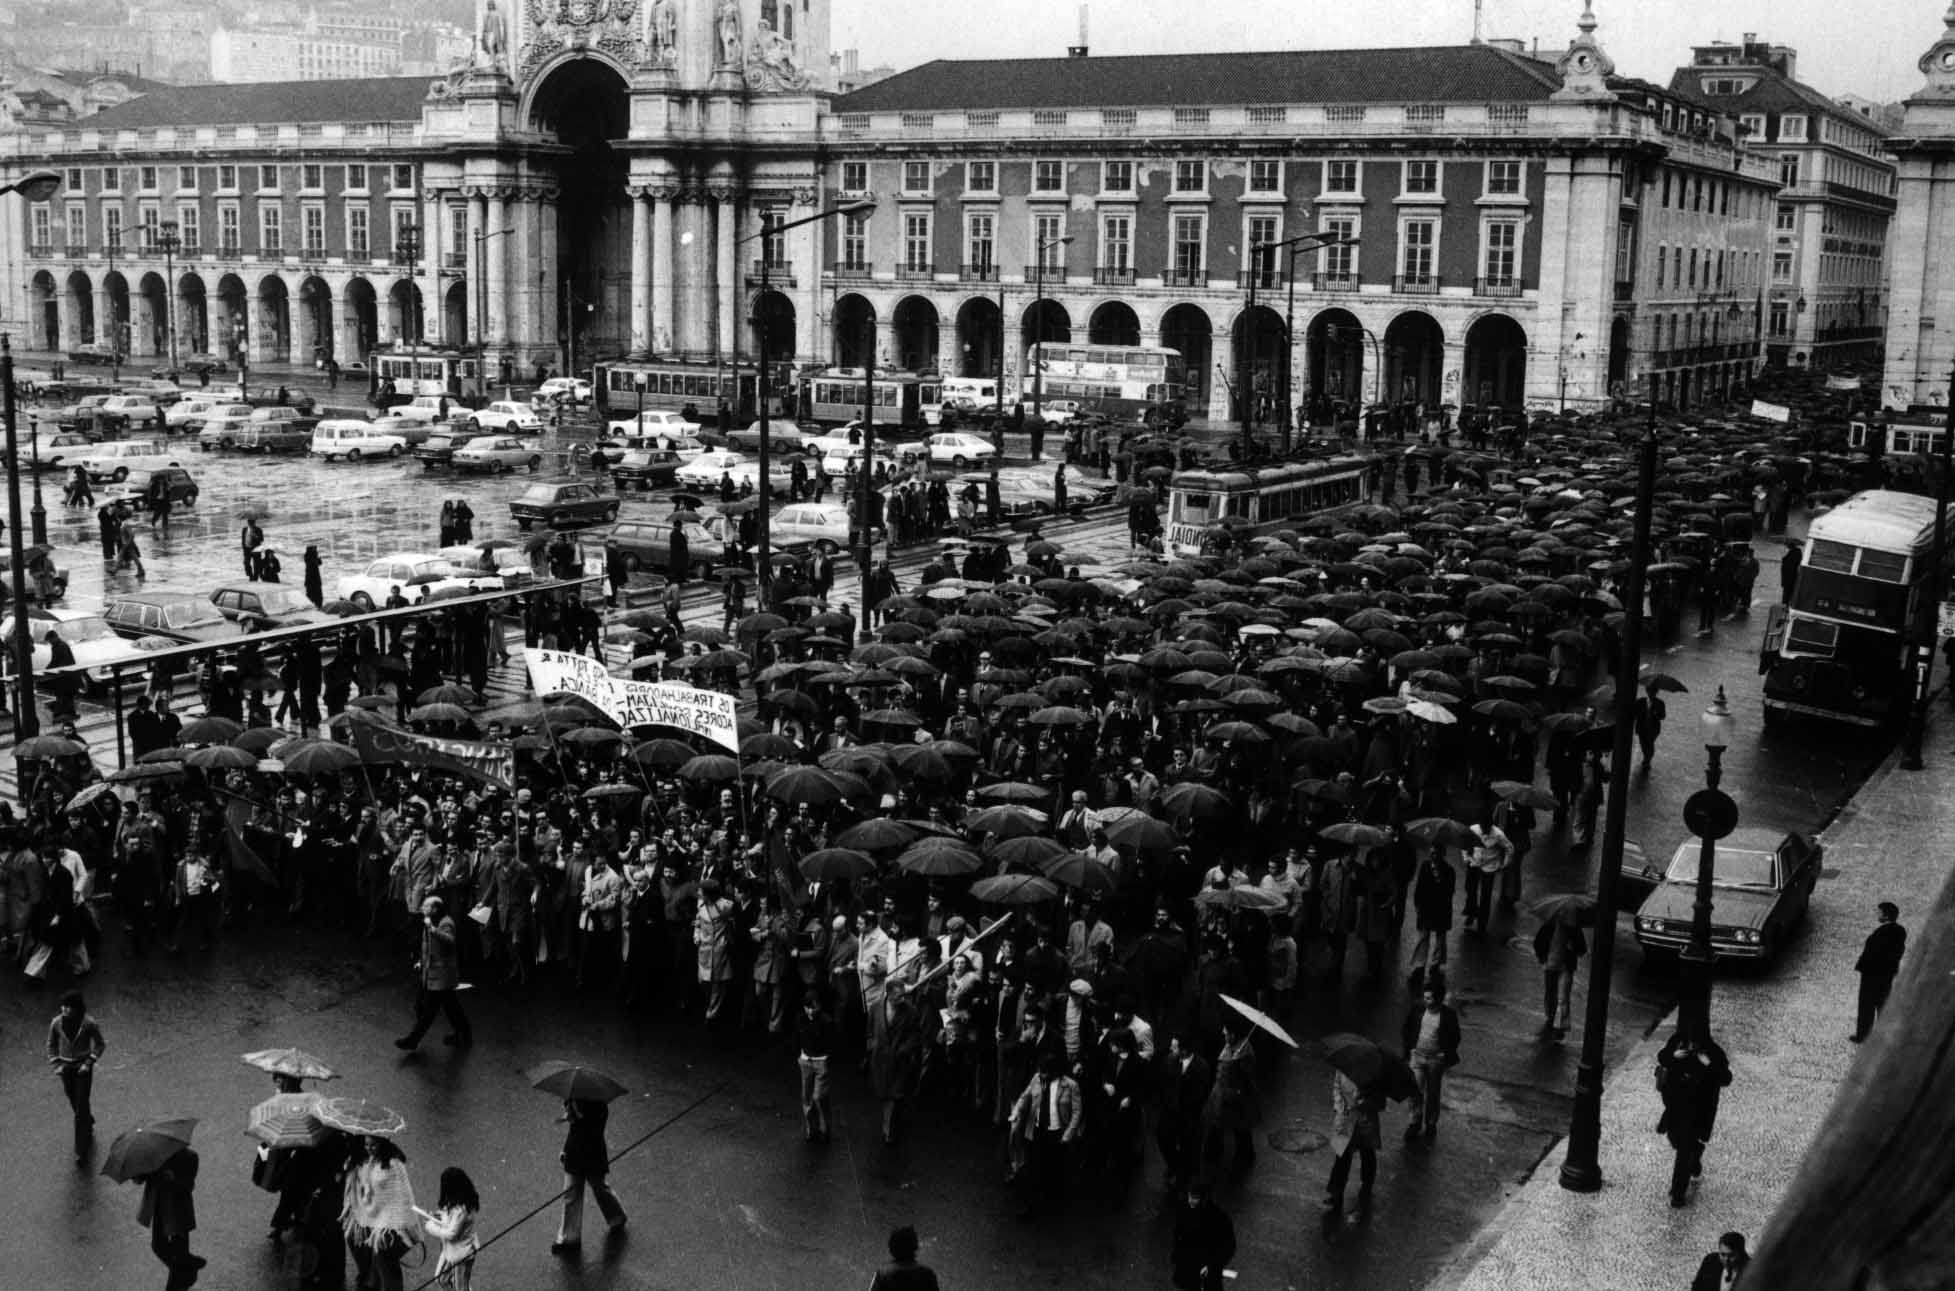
(712, 929)
(378, 1216)
(453, 1224)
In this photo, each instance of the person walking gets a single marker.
(440, 979)
(1049, 1118)
(1204, 1242)
(1650, 712)
(169, 1211)
(1691, 1077)
(452, 1223)
(903, 1273)
(895, 1053)
(128, 551)
(1354, 1133)
(377, 1215)
(1234, 1104)
(250, 538)
(814, 1040)
(1431, 1036)
(1432, 910)
(75, 1045)
(1490, 853)
(1723, 1268)
(586, 1161)
(1880, 960)
(1559, 947)
(1184, 1093)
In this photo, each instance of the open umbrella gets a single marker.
(1570, 907)
(359, 1116)
(290, 1062)
(1078, 870)
(1015, 889)
(1143, 833)
(939, 858)
(1190, 799)
(319, 757)
(1369, 1065)
(99, 789)
(571, 1080)
(146, 1148)
(210, 730)
(1241, 897)
(1429, 831)
(287, 1121)
(220, 757)
(1260, 1019)
(1525, 795)
(1663, 681)
(877, 835)
(446, 693)
(1014, 791)
(1007, 820)
(42, 748)
(1026, 850)
(835, 864)
(1354, 833)
(805, 784)
(710, 768)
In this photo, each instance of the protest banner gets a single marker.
(636, 703)
(492, 763)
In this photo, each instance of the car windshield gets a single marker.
(91, 627)
(185, 614)
(282, 600)
(540, 493)
(1730, 869)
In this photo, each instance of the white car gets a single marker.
(957, 450)
(221, 424)
(496, 454)
(823, 524)
(94, 642)
(185, 413)
(837, 460)
(115, 459)
(1025, 489)
(1057, 412)
(412, 572)
(345, 438)
(653, 421)
(507, 416)
(574, 390)
(704, 471)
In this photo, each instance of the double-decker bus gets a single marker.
(1247, 501)
(834, 396)
(618, 387)
(1840, 648)
(1118, 380)
(425, 372)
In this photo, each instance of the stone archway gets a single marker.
(455, 321)
(854, 324)
(1334, 360)
(1045, 320)
(1187, 328)
(234, 320)
(116, 288)
(1619, 343)
(192, 315)
(1113, 323)
(918, 334)
(1415, 356)
(406, 312)
(361, 320)
(775, 320)
(1258, 376)
(274, 338)
(1496, 363)
(79, 294)
(980, 337)
(147, 336)
(583, 104)
(45, 315)
(316, 342)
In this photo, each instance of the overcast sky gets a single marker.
(1868, 47)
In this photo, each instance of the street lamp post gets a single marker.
(111, 244)
(865, 549)
(1711, 814)
(763, 554)
(40, 514)
(407, 251)
(1927, 624)
(169, 240)
(35, 186)
(1302, 242)
(1038, 323)
(482, 237)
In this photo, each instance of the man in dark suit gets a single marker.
(1185, 1083)
(1722, 1268)
(1880, 960)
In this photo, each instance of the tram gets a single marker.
(834, 397)
(621, 386)
(1255, 500)
(1117, 380)
(418, 372)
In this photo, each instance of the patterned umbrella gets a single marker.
(287, 1121)
(291, 1062)
(359, 1116)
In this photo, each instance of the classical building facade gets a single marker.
(1824, 295)
(1920, 364)
(605, 178)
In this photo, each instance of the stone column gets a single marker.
(434, 312)
(499, 231)
(664, 281)
(693, 264)
(476, 273)
(805, 253)
(641, 273)
(549, 302)
(727, 282)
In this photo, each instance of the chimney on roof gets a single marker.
(1509, 45)
(1079, 50)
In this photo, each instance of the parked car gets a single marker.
(509, 565)
(703, 472)
(957, 450)
(497, 454)
(572, 390)
(268, 397)
(86, 413)
(266, 605)
(645, 468)
(440, 448)
(182, 617)
(675, 439)
(57, 452)
(415, 420)
(414, 572)
(1057, 412)
(647, 544)
(338, 439)
(562, 504)
(651, 422)
(1028, 489)
(822, 525)
(114, 460)
(275, 435)
(95, 644)
(504, 415)
(1762, 881)
(188, 415)
(135, 408)
(91, 355)
(222, 426)
(136, 486)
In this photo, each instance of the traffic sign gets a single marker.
(1710, 813)
(1945, 620)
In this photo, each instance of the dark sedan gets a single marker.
(645, 468)
(1761, 887)
(564, 504)
(182, 617)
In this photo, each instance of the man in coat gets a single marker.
(1723, 1268)
(586, 1160)
(440, 979)
(1204, 1242)
(169, 1211)
(1559, 946)
(1354, 1133)
(1880, 960)
(1050, 1116)
(1185, 1081)
(1691, 1075)
(1431, 1036)
(1432, 909)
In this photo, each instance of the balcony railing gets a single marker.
(76, 250)
(1496, 286)
(775, 273)
(455, 260)
(1173, 277)
(1625, 291)
(915, 271)
(984, 272)
(852, 269)
(1108, 277)
(1267, 280)
(1415, 284)
(41, 249)
(1336, 281)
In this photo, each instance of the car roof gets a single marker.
(156, 598)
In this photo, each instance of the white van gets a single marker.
(115, 459)
(965, 394)
(353, 440)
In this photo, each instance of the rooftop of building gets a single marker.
(1422, 74)
(1774, 90)
(371, 98)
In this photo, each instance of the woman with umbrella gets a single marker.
(1234, 1104)
(378, 1215)
(586, 1161)
(169, 1212)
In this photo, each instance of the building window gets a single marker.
(1117, 243)
(855, 177)
(150, 221)
(1191, 176)
(1338, 264)
(1504, 178)
(1781, 266)
(271, 229)
(1789, 170)
(312, 175)
(1625, 251)
(41, 236)
(916, 177)
(1781, 325)
(1421, 176)
(1787, 218)
(1048, 177)
(916, 242)
(1417, 244)
(773, 242)
(1500, 266)
(1691, 279)
(981, 177)
(312, 230)
(404, 176)
(403, 224)
(356, 178)
(227, 228)
(77, 226)
(855, 242)
(980, 245)
(186, 179)
(268, 179)
(1265, 176)
(75, 184)
(1792, 129)
(111, 179)
(148, 174)
(1261, 231)
(358, 238)
(1188, 240)
(112, 227)
(1662, 267)
(1046, 249)
(227, 179)
(1117, 177)
(1340, 177)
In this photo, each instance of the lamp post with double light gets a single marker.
(35, 186)
(1302, 242)
(169, 240)
(407, 253)
(1711, 814)
(1038, 323)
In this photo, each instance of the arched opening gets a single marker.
(455, 321)
(147, 336)
(773, 320)
(1496, 362)
(405, 311)
(1113, 323)
(1045, 320)
(117, 288)
(1334, 351)
(192, 316)
(980, 337)
(362, 319)
(1618, 357)
(45, 318)
(918, 334)
(1258, 338)
(1186, 328)
(79, 296)
(274, 321)
(234, 317)
(316, 340)
(854, 322)
(583, 104)
(1415, 352)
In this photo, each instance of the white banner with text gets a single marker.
(636, 703)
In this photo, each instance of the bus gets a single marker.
(1839, 649)
(1916, 434)
(674, 386)
(1117, 380)
(421, 372)
(833, 396)
(1250, 501)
